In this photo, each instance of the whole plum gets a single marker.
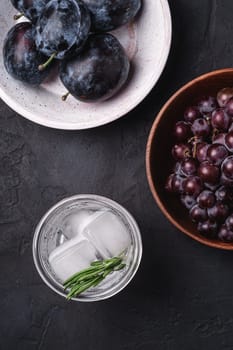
(110, 14)
(98, 72)
(21, 57)
(63, 28)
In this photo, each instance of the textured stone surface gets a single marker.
(182, 295)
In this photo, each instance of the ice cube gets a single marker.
(75, 223)
(71, 257)
(108, 234)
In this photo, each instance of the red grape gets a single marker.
(229, 107)
(216, 154)
(177, 183)
(206, 199)
(198, 214)
(227, 167)
(208, 228)
(201, 152)
(191, 114)
(180, 151)
(189, 166)
(229, 141)
(201, 128)
(225, 235)
(218, 212)
(207, 104)
(220, 119)
(224, 96)
(208, 173)
(192, 185)
(182, 131)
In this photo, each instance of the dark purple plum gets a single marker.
(21, 57)
(110, 14)
(63, 28)
(98, 72)
(31, 9)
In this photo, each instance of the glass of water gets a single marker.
(93, 219)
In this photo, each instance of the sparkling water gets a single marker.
(86, 236)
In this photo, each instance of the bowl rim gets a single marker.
(152, 135)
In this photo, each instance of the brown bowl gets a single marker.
(159, 161)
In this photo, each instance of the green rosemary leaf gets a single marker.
(92, 276)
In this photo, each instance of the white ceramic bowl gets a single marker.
(147, 42)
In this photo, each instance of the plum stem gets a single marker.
(18, 16)
(47, 63)
(64, 97)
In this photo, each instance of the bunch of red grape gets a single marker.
(203, 172)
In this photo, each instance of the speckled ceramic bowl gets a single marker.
(147, 43)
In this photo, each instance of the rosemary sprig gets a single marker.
(92, 276)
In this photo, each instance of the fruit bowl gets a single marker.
(147, 44)
(159, 160)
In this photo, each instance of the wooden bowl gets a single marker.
(159, 161)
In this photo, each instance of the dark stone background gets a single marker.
(181, 297)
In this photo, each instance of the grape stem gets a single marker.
(215, 133)
(195, 141)
(47, 63)
(64, 97)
